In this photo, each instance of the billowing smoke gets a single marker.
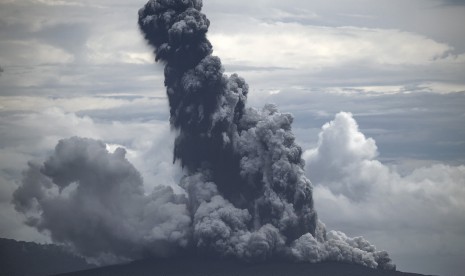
(246, 194)
(94, 201)
(250, 155)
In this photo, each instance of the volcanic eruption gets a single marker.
(245, 192)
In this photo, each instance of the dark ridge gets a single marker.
(211, 267)
(29, 258)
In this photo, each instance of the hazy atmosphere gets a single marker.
(376, 88)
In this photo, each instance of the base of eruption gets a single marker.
(228, 267)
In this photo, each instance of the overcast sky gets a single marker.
(390, 168)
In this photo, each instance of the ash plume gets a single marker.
(250, 155)
(246, 194)
(93, 201)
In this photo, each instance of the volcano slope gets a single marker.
(228, 267)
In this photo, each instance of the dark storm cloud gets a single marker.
(249, 155)
(208, 109)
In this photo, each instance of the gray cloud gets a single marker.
(93, 201)
(70, 37)
(454, 2)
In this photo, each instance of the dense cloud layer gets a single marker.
(246, 194)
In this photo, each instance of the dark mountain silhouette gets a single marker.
(28, 258)
(215, 267)
(32, 259)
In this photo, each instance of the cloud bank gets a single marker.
(422, 206)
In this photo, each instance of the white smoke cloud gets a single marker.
(344, 162)
(343, 153)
